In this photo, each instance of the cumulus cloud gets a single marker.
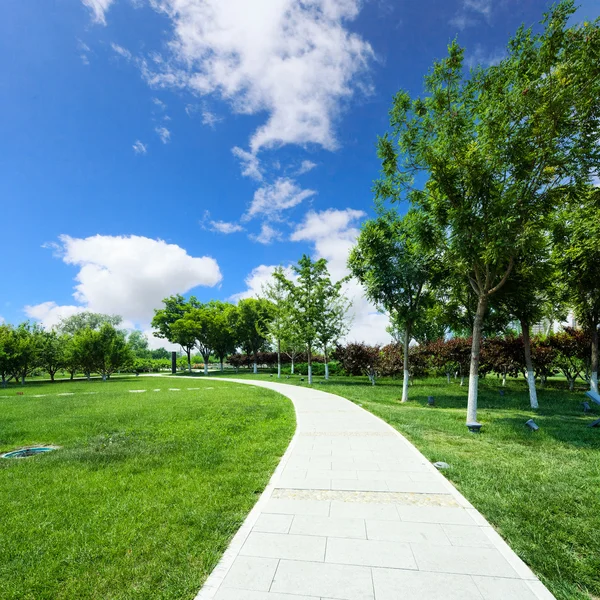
(258, 278)
(140, 148)
(163, 133)
(98, 9)
(332, 233)
(225, 227)
(123, 52)
(295, 61)
(209, 118)
(50, 313)
(250, 163)
(127, 275)
(484, 58)
(271, 200)
(267, 235)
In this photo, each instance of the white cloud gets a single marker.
(2, 320)
(210, 119)
(257, 279)
(250, 163)
(470, 11)
(305, 167)
(272, 199)
(127, 275)
(483, 58)
(98, 8)
(122, 51)
(164, 134)
(161, 105)
(267, 235)
(50, 313)
(333, 234)
(225, 227)
(140, 148)
(295, 61)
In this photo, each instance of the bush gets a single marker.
(318, 368)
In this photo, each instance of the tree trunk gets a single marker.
(52, 376)
(189, 357)
(278, 359)
(309, 357)
(405, 357)
(206, 364)
(3, 381)
(594, 366)
(504, 378)
(448, 377)
(221, 362)
(72, 373)
(254, 367)
(529, 364)
(475, 353)
(292, 369)
(326, 365)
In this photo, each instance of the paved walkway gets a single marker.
(355, 512)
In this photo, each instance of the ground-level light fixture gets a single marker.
(474, 427)
(532, 425)
(430, 400)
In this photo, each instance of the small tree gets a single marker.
(224, 318)
(333, 322)
(138, 342)
(395, 268)
(86, 320)
(252, 325)
(112, 350)
(53, 355)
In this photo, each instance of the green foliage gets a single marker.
(86, 320)
(251, 325)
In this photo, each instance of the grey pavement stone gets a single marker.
(456, 559)
(466, 535)
(370, 553)
(498, 588)
(229, 594)
(329, 527)
(251, 573)
(435, 514)
(398, 531)
(276, 545)
(273, 523)
(338, 582)
(395, 584)
(287, 506)
(364, 510)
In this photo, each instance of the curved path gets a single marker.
(356, 512)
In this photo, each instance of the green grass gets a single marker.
(541, 490)
(144, 494)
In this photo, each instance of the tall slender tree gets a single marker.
(252, 325)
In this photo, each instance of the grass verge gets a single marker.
(144, 494)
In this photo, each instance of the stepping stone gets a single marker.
(136, 391)
(66, 394)
(174, 389)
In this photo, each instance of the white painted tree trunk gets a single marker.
(462, 380)
(310, 374)
(448, 377)
(532, 391)
(405, 385)
(292, 369)
(504, 378)
(594, 365)
(206, 367)
(278, 359)
(594, 382)
(255, 369)
(474, 367)
(326, 371)
(405, 360)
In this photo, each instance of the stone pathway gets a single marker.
(355, 512)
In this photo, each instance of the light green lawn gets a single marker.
(145, 493)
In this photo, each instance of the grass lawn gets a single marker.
(144, 494)
(541, 490)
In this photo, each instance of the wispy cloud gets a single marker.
(485, 58)
(470, 12)
(225, 227)
(121, 51)
(305, 167)
(139, 147)
(159, 103)
(267, 235)
(271, 200)
(163, 133)
(250, 163)
(99, 9)
(209, 118)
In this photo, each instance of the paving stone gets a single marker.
(499, 588)
(357, 485)
(275, 545)
(229, 594)
(363, 510)
(435, 514)
(370, 553)
(337, 582)
(296, 507)
(251, 573)
(465, 535)
(455, 559)
(398, 531)
(329, 526)
(417, 487)
(308, 483)
(396, 584)
(271, 523)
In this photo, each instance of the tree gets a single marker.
(577, 252)
(224, 317)
(138, 342)
(84, 352)
(86, 320)
(114, 353)
(27, 347)
(8, 352)
(333, 321)
(308, 301)
(53, 355)
(176, 308)
(395, 269)
(277, 293)
(493, 147)
(251, 328)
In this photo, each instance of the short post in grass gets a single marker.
(173, 363)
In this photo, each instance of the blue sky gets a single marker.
(150, 147)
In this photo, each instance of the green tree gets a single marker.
(138, 342)
(8, 352)
(307, 301)
(53, 355)
(333, 322)
(223, 334)
(252, 325)
(176, 308)
(493, 146)
(577, 252)
(112, 350)
(277, 328)
(396, 270)
(86, 320)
